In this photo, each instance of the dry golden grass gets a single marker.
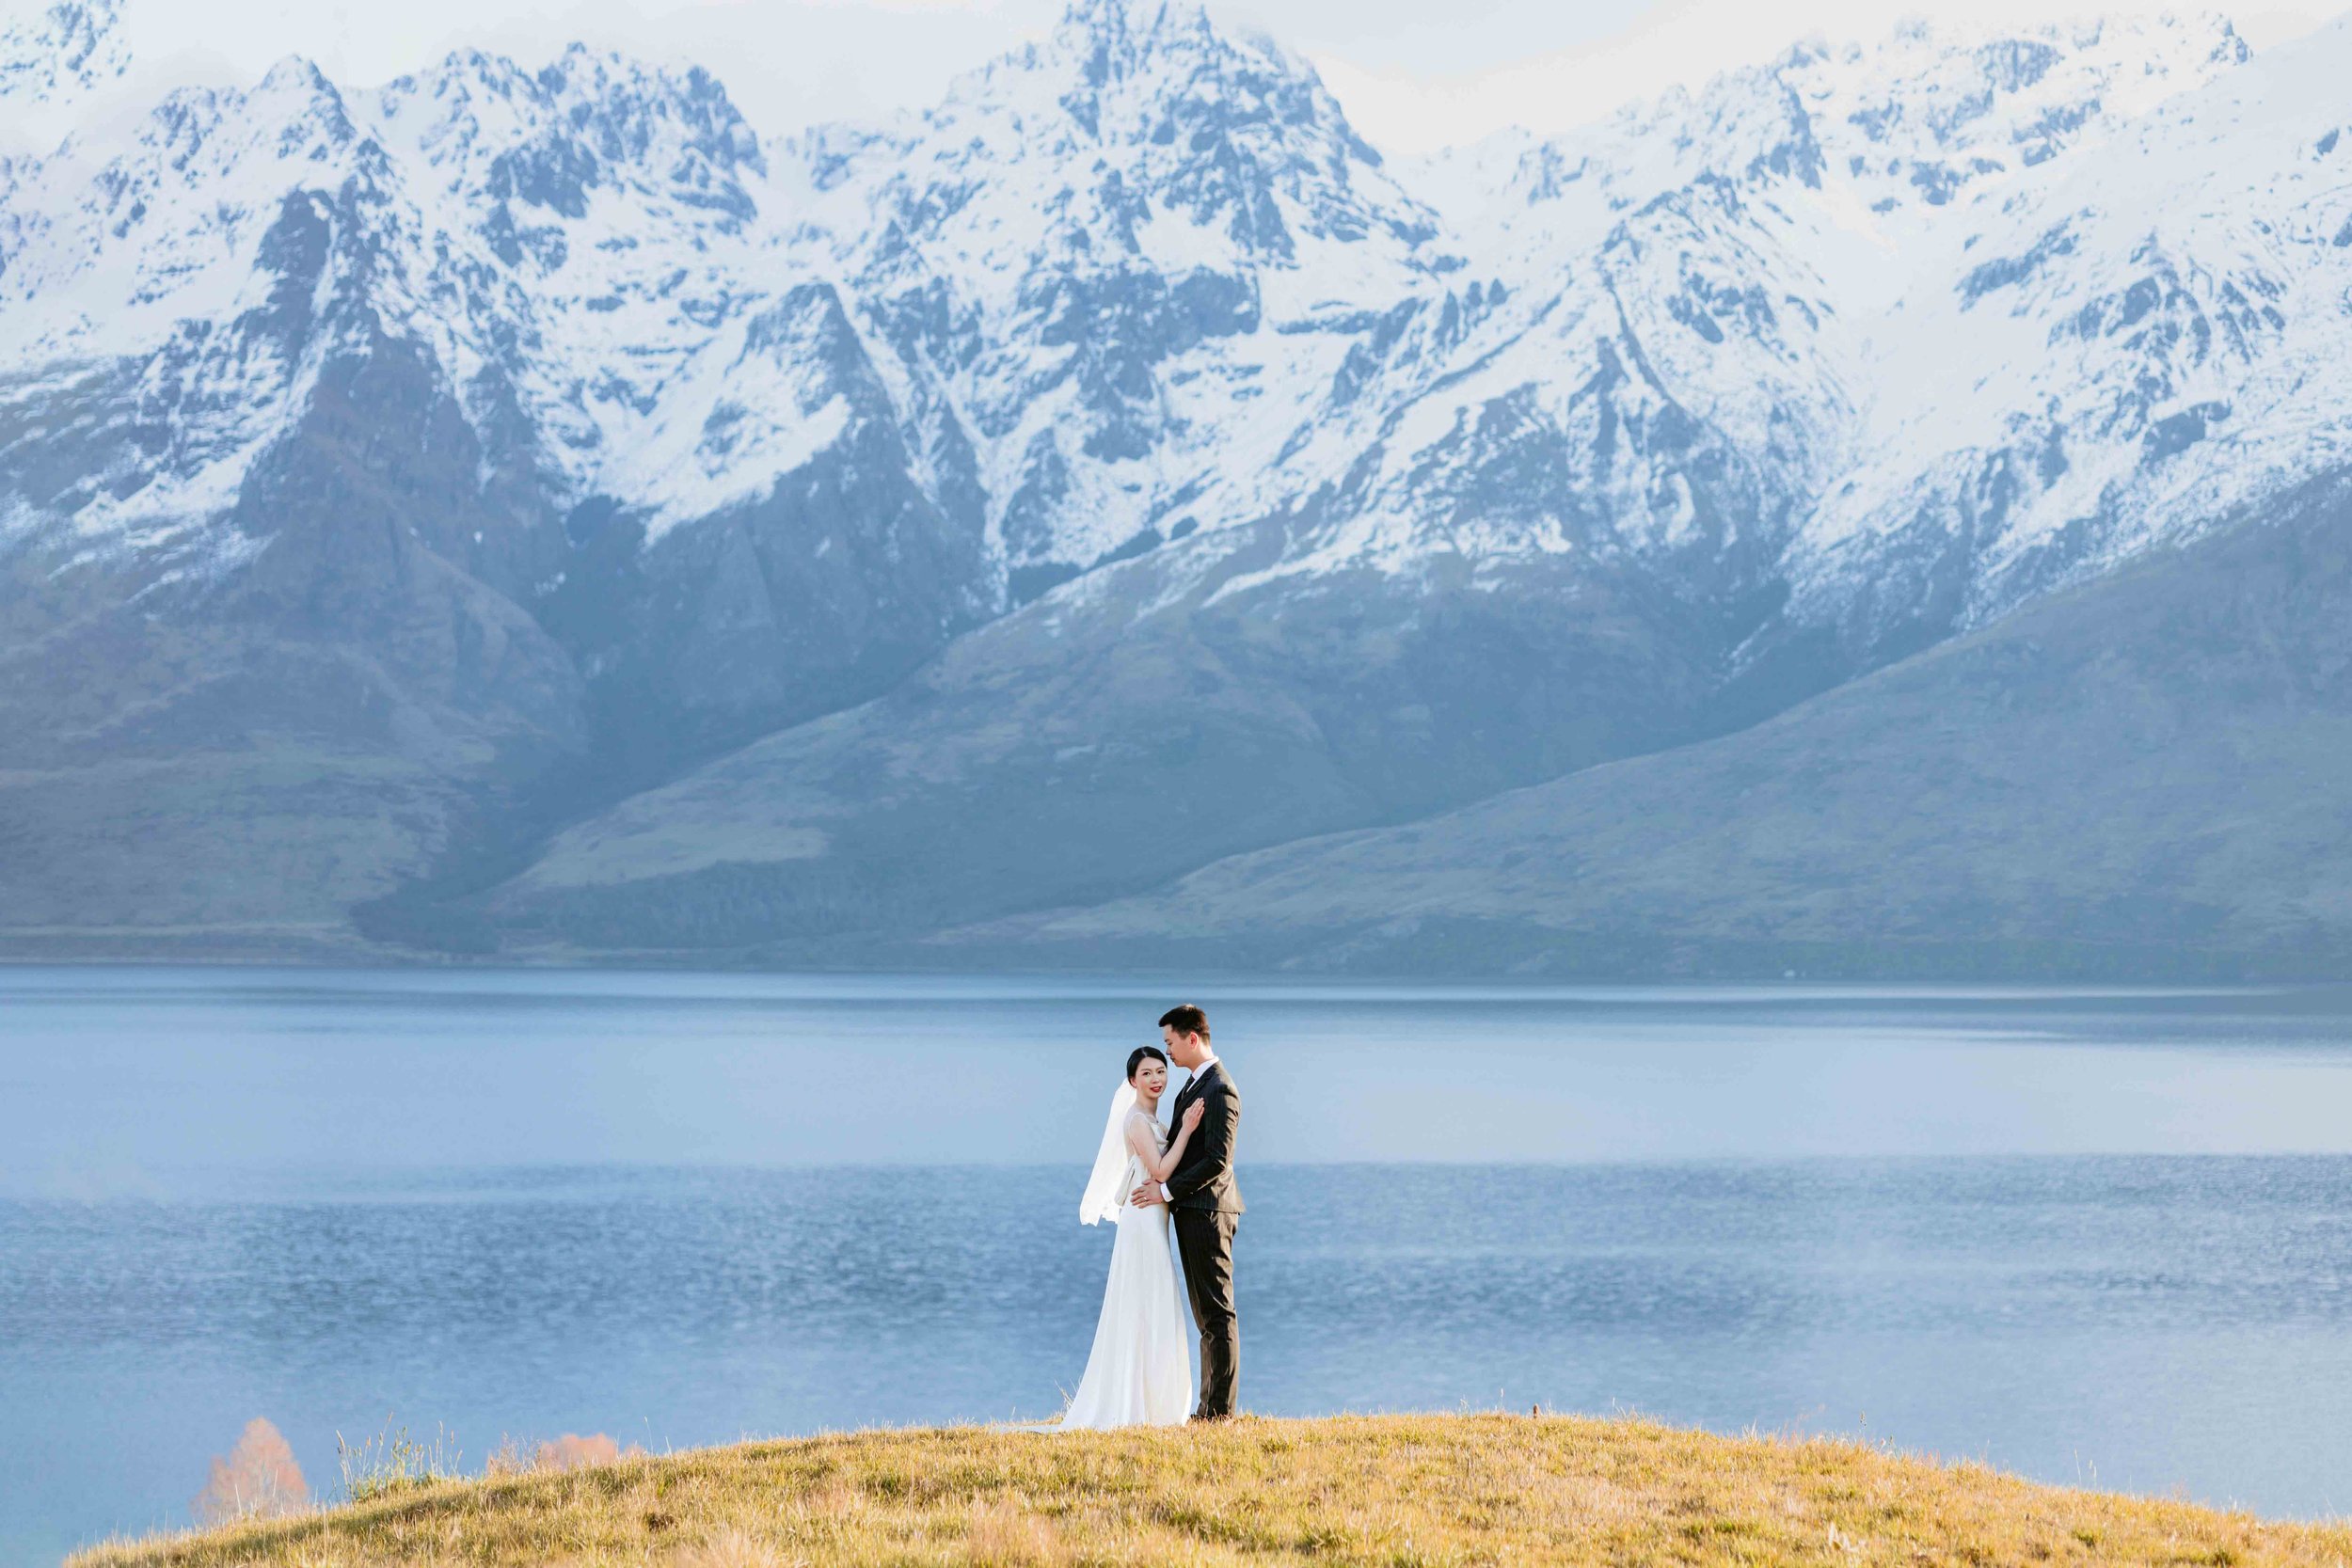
(1393, 1491)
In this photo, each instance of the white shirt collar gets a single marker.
(1202, 1072)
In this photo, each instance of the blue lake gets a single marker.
(2101, 1238)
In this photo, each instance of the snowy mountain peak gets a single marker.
(1160, 44)
(1141, 124)
(1116, 37)
(588, 122)
(296, 74)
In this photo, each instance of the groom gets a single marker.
(1204, 1202)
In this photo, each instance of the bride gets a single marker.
(1139, 1374)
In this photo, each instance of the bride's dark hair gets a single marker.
(1135, 1058)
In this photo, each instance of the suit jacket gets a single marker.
(1205, 1180)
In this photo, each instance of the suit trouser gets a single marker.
(1204, 1240)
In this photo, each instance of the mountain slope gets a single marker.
(1125, 729)
(2143, 777)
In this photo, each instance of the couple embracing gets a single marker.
(1149, 1173)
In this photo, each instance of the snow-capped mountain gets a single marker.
(1140, 280)
(578, 419)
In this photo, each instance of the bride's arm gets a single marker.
(1156, 1164)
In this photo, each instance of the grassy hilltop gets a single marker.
(1393, 1491)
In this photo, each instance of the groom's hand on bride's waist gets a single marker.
(1147, 1195)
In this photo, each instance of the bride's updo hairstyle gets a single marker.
(1135, 1058)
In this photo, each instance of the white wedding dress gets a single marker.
(1140, 1370)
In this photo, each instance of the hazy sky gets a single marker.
(1413, 75)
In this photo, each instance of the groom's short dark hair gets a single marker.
(1186, 1020)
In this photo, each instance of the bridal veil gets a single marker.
(1104, 1193)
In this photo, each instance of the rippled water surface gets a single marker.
(2104, 1239)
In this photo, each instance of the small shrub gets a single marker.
(572, 1451)
(258, 1479)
